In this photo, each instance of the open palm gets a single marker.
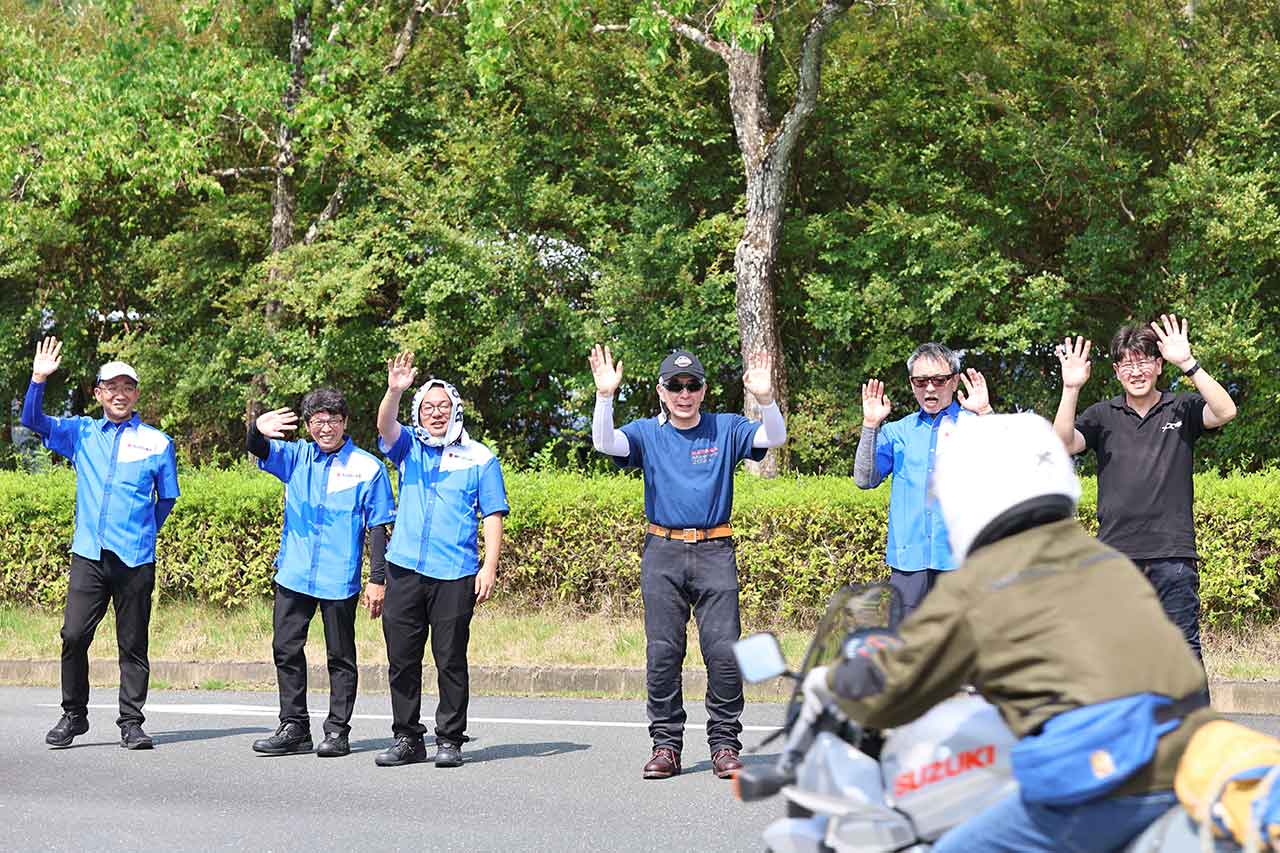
(1074, 358)
(401, 372)
(875, 404)
(48, 358)
(607, 375)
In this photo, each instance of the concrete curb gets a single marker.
(1229, 697)
(606, 682)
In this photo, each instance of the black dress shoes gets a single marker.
(290, 739)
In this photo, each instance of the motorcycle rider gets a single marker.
(1061, 633)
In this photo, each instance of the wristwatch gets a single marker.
(1195, 365)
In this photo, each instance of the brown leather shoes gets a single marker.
(664, 764)
(725, 763)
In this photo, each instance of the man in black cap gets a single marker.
(688, 460)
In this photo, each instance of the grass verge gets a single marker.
(501, 635)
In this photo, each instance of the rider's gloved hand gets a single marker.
(817, 695)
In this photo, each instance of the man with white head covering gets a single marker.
(1058, 631)
(434, 576)
(126, 485)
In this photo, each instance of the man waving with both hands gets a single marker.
(688, 459)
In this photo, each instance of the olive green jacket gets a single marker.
(1040, 622)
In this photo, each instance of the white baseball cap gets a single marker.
(115, 369)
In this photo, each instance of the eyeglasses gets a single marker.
(925, 381)
(322, 424)
(675, 386)
(1138, 366)
(432, 408)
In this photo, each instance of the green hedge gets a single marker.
(576, 539)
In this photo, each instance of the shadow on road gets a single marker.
(523, 750)
(163, 738)
(747, 761)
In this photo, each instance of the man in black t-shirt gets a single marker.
(1144, 439)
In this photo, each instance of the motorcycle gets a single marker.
(852, 789)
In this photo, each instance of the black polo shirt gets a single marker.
(1144, 474)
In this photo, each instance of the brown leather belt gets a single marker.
(691, 534)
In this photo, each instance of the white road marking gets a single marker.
(214, 709)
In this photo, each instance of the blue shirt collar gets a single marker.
(953, 410)
(318, 455)
(133, 421)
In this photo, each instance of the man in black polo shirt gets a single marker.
(1144, 441)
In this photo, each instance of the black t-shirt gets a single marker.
(1144, 474)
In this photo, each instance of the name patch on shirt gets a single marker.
(703, 455)
(358, 469)
(139, 444)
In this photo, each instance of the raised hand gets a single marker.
(275, 423)
(1074, 358)
(1173, 343)
(758, 378)
(400, 372)
(978, 398)
(607, 375)
(48, 357)
(875, 405)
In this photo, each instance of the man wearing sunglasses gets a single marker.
(917, 549)
(1144, 440)
(334, 492)
(688, 459)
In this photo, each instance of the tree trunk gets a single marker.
(284, 197)
(767, 168)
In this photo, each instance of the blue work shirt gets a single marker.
(330, 499)
(688, 473)
(441, 491)
(907, 449)
(122, 470)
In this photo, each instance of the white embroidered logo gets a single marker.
(683, 361)
(1171, 425)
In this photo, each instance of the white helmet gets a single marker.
(989, 465)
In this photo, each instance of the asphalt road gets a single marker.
(542, 775)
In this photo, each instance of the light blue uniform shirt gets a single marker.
(907, 449)
(121, 471)
(330, 499)
(442, 489)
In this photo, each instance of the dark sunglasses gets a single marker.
(923, 381)
(675, 386)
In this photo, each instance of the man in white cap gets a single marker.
(126, 485)
(1057, 630)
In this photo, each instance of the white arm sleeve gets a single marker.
(772, 431)
(604, 437)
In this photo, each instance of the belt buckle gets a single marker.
(692, 533)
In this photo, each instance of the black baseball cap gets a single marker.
(681, 361)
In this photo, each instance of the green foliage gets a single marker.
(575, 539)
(994, 175)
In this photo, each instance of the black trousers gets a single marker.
(675, 577)
(912, 588)
(1177, 583)
(291, 618)
(94, 584)
(416, 607)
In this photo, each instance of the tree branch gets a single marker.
(327, 215)
(808, 77)
(610, 28)
(697, 36)
(407, 35)
(242, 172)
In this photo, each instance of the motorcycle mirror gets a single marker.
(759, 657)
